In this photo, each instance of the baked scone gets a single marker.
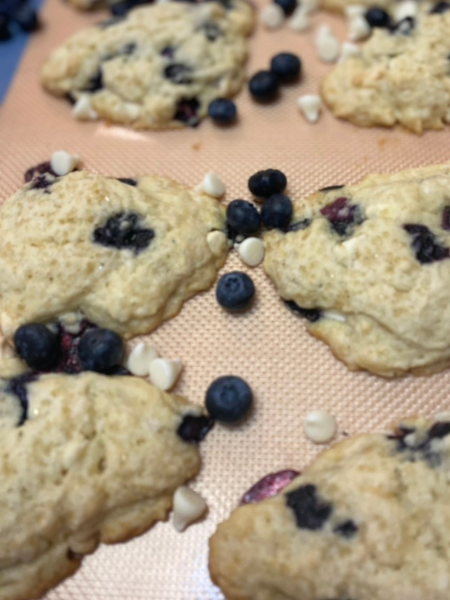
(368, 267)
(158, 67)
(400, 76)
(368, 520)
(84, 459)
(125, 254)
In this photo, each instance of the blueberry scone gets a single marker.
(368, 267)
(85, 459)
(158, 67)
(368, 520)
(402, 75)
(124, 254)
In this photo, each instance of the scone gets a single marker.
(368, 520)
(158, 67)
(84, 459)
(401, 76)
(124, 254)
(368, 266)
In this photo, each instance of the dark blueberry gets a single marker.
(99, 350)
(228, 399)
(18, 387)
(128, 181)
(405, 26)
(269, 486)
(117, 370)
(446, 218)
(222, 110)
(276, 212)
(263, 85)
(26, 17)
(264, 184)
(195, 428)
(122, 231)
(346, 529)
(110, 22)
(235, 291)
(440, 7)
(425, 245)
(5, 33)
(311, 511)
(299, 225)
(286, 66)
(41, 182)
(310, 314)
(439, 430)
(342, 215)
(212, 31)
(37, 346)
(186, 112)
(178, 73)
(40, 169)
(120, 9)
(168, 51)
(288, 6)
(377, 17)
(329, 188)
(243, 217)
(94, 83)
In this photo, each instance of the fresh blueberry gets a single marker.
(286, 66)
(440, 7)
(222, 111)
(123, 231)
(26, 18)
(5, 34)
(425, 244)
(264, 184)
(243, 217)
(228, 399)
(377, 17)
(288, 6)
(276, 212)
(178, 73)
(235, 291)
(310, 511)
(187, 112)
(37, 346)
(263, 85)
(100, 350)
(194, 428)
(310, 314)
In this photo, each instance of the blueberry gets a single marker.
(425, 244)
(446, 218)
(128, 181)
(178, 73)
(243, 218)
(276, 212)
(235, 291)
(18, 387)
(37, 346)
(40, 169)
(100, 350)
(342, 215)
(311, 511)
(228, 399)
(212, 32)
(264, 184)
(168, 51)
(286, 66)
(186, 112)
(404, 27)
(95, 82)
(194, 428)
(377, 17)
(440, 8)
(263, 85)
(310, 314)
(123, 231)
(439, 430)
(346, 529)
(299, 226)
(288, 6)
(5, 34)
(26, 18)
(121, 8)
(222, 111)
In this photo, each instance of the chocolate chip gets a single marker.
(425, 245)
(310, 314)
(195, 428)
(311, 511)
(346, 529)
(122, 231)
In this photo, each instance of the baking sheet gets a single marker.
(290, 372)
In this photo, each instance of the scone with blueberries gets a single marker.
(368, 520)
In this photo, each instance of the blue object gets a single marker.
(235, 291)
(229, 399)
(11, 50)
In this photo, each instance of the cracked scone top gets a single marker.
(399, 77)
(126, 254)
(368, 520)
(368, 266)
(96, 459)
(158, 67)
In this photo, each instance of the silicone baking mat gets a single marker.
(290, 372)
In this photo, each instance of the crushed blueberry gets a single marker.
(310, 510)
(288, 6)
(186, 112)
(228, 399)
(377, 17)
(195, 428)
(263, 86)
(37, 346)
(178, 73)
(128, 181)
(95, 82)
(446, 218)
(264, 184)
(346, 529)
(243, 218)
(440, 7)
(123, 231)
(425, 244)
(404, 27)
(342, 215)
(269, 486)
(18, 387)
(222, 110)
(299, 225)
(212, 31)
(41, 182)
(69, 362)
(100, 350)
(421, 448)
(330, 188)
(310, 314)
(40, 169)
(276, 212)
(121, 8)
(235, 291)
(286, 66)
(168, 51)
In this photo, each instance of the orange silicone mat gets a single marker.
(290, 372)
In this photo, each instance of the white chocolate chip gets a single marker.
(217, 242)
(355, 10)
(272, 16)
(319, 426)
(63, 163)
(358, 28)
(349, 50)
(252, 251)
(300, 20)
(164, 372)
(82, 109)
(212, 185)
(188, 506)
(408, 8)
(327, 45)
(334, 315)
(310, 105)
(139, 359)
